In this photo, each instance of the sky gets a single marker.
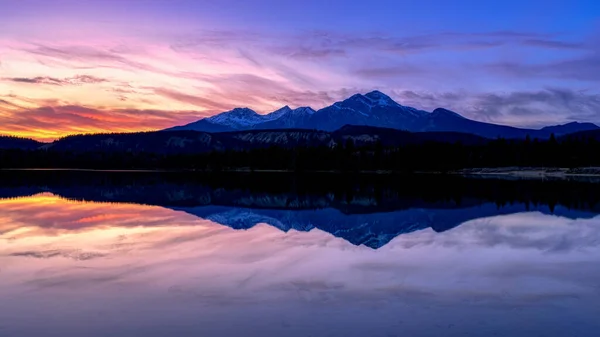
(84, 66)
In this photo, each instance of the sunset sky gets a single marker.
(78, 66)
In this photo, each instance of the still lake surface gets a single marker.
(174, 254)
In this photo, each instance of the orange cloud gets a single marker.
(53, 215)
(50, 122)
(76, 80)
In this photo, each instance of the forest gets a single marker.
(567, 152)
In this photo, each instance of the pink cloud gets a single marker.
(50, 122)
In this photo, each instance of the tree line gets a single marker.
(346, 157)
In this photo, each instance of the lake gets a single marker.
(180, 254)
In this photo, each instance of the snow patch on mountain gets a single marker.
(237, 117)
(240, 118)
(278, 113)
(304, 110)
(378, 98)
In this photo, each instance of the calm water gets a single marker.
(118, 254)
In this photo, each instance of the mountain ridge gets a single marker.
(372, 109)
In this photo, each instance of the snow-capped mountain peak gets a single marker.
(240, 118)
(277, 113)
(290, 119)
(304, 110)
(237, 117)
(379, 98)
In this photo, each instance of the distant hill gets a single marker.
(367, 135)
(371, 109)
(200, 142)
(10, 142)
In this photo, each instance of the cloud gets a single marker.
(553, 44)
(240, 89)
(37, 80)
(586, 68)
(216, 39)
(198, 101)
(51, 122)
(332, 44)
(70, 278)
(582, 63)
(524, 108)
(91, 56)
(9, 104)
(71, 254)
(304, 52)
(381, 72)
(76, 80)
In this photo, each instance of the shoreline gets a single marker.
(591, 174)
(516, 172)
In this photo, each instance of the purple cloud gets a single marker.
(554, 44)
(77, 80)
(522, 108)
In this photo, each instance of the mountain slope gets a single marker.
(371, 109)
(446, 120)
(569, 128)
(293, 119)
(368, 135)
(203, 125)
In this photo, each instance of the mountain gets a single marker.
(369, 135)
(568, 128)
(446, 120)
(203, 125)
(290, 120)
(236, 119)
(9, 142)
(372, 109)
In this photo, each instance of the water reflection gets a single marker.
(368, 211)
(181, 257)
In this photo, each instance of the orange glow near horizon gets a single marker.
(48, 136)
(46, 214)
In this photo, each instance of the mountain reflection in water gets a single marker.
(153, 254)
(368, 211)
